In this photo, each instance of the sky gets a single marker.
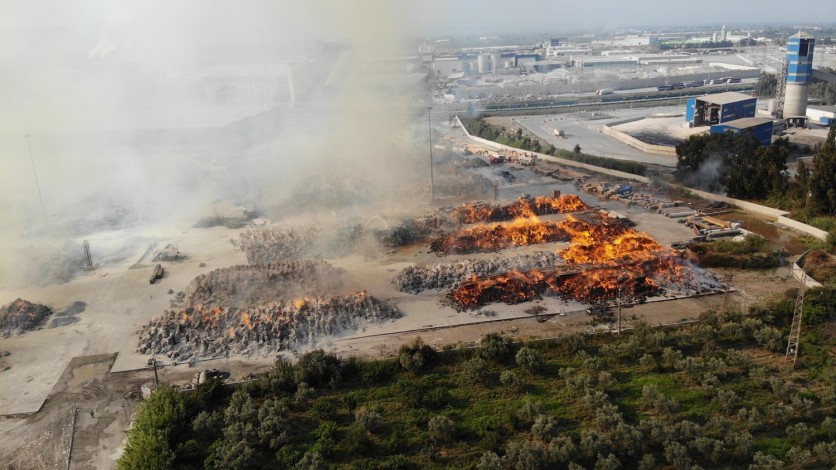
(412, 17)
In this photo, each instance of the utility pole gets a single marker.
(35, 172)
(430, 139)
(795, 328)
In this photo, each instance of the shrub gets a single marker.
(416, 356)
(475, 370)
(318, 368)
(494, 347)
(529, 359)
(368, 420)
(441, 429)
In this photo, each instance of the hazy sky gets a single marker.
(418, 17)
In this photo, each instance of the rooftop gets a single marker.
(746, 123)
(725, 98)
(802, 35)
(827, 109)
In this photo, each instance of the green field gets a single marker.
(714, 394)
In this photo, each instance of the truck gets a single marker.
(497, 159)
(527, 160)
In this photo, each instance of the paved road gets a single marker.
(587, 133)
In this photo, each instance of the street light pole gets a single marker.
(430, 139)
(618, 330)
(35, 172)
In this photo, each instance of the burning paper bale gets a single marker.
(442, 275)
(199, 332)
(494, 237)
(21, 316)
(606, 259)
(522, 207)
(242, 285)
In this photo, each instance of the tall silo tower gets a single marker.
(799, 74)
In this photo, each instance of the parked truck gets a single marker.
(527, 160)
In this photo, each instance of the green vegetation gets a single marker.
(479, 127)
(751, 253)
(766, 86)
(824, 90)
(715, 394)
(738, 165)
(742, 168)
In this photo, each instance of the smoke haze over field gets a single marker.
(145, 113)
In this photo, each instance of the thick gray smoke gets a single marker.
(142, 114)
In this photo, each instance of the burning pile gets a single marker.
(243, 285)
(605, 259)
(442, 275)
(200, 332)
(522, 207)
(21, 316)
(493, 237)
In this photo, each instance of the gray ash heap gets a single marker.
(414, 279)
(21, 316)
(244, 285)
(269, 245)
(199, 332)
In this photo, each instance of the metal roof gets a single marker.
(725, 98)
(826, 109)
(802, 35)
(745, 123)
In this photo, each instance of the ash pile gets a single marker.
(242, 285)
(21, 316)
(415, 279)
(198, 332)
(270, 245)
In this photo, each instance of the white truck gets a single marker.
(527, 160)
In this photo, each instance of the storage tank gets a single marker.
(799, 73)
(483, 63)
(496, 62)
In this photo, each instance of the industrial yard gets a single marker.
(429, 218)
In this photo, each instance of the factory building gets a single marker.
(761, 127)
(719, 108)
(825, 115)
(799, 74)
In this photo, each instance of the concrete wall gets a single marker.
(636, 143)
(802, 276)
(590, 84)
(778, 215)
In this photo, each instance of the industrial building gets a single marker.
(719, 108)
(822, 114)
(799, 74)
(761, 127)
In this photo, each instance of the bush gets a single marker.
(161, 418)
(368, 420)
(318, 368)
(494, 347)
(441, 429)
(475, 370)
(510, 379)
(416, 356)
(529, 359)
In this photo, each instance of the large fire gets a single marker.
(606, 260)
(522, 207)
(492, 237)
